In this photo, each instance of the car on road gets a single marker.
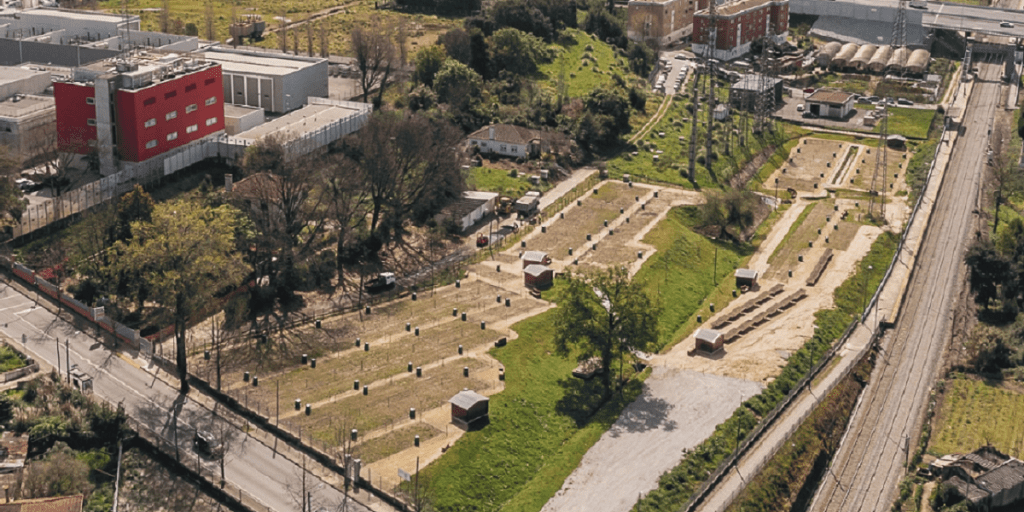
(1006, 24)
(680, 56)
(207, 444)
(809, 90)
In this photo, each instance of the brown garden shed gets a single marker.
(469, 408)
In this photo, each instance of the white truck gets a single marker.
(528, 205)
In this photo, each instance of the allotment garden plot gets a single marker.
(370, 369)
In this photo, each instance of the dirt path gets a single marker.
(676, 411)
(654, 120)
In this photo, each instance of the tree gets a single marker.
(515, 51)
(731, 209)
(60, 473)
(1008, 180)
(208, 19)
(57, 155)
(280, 199)
(135, 206)
(407, 169)
(12, 200)
(376, 57)
(457, 84)
(988, 271)
(190, 248)
(457, 44)
(521, 15)
(605, 315)
(428, 63)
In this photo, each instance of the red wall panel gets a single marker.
(73, 114)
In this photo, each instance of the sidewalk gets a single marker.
(886, 308)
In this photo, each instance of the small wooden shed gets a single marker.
(535, 258)
(746, 277)
(468, 408)
(709, 340)
(538, 276)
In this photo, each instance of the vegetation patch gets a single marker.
(789, 479)
(913, 123)
(975, 413)
(488, 179)
(566, 72)
(10, 359)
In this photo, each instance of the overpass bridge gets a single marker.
(937, 15)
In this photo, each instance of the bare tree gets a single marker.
(376, 57)
(325, 50)
(208, 18)
(165, 16)
(282, 31)
(309, 35)
(56, 156)
(295, 41)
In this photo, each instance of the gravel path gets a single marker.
(676, 411)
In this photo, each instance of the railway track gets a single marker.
(884, 428)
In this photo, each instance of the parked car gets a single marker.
(872, 99)
(800, 107)
(809, 90)
(1006, 24)
(904, 101)
(206, 443)
(810, 115)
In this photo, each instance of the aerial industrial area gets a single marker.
(511, 255)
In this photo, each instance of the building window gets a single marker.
(210, 81)
(192, 128)
(171, 115)
(211, 100)
(172, 136)
(90, 122)
(503, 148)
(513, 149)
(211, 121)
(149, 101)
(191, 108)
(151, 144)
(170, 95)
(190, 87)
(150, 122)
(90, 101)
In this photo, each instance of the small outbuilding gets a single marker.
(896, 141)
(830, 103)
(746, 277)
(535, 258)
(709, 340)
(540, 277)
(469, 408)
(469, 209)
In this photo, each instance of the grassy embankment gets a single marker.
(789, 479)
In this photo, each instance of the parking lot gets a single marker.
(673, 68)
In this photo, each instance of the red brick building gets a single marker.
(134, 111)
(739, 24)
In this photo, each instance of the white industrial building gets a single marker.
(275, 82)
(24, 112)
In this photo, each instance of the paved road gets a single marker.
(250, 465)
(869, 465)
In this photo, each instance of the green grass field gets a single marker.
(540, 427)
(498, 180)
(974, 413)
(584, 69)
(681, 272)
(912, 123)
(9, 359)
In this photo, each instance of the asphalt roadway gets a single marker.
(870, 462)
(258, 469)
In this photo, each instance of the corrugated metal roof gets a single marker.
(708, 335)
(534, 255)
(466, 399)
(746, 273)
(535, 270)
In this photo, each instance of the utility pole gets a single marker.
(67, 357)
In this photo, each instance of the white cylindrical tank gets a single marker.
(863, 56)
(917, 64)
(842, 59)
(880, 59)
(898, 61)
(828, 53)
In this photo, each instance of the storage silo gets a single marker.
(918, 62)
(898, 61)
(880, 59)
(826, 54)
(842, 59)
(863, 56)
